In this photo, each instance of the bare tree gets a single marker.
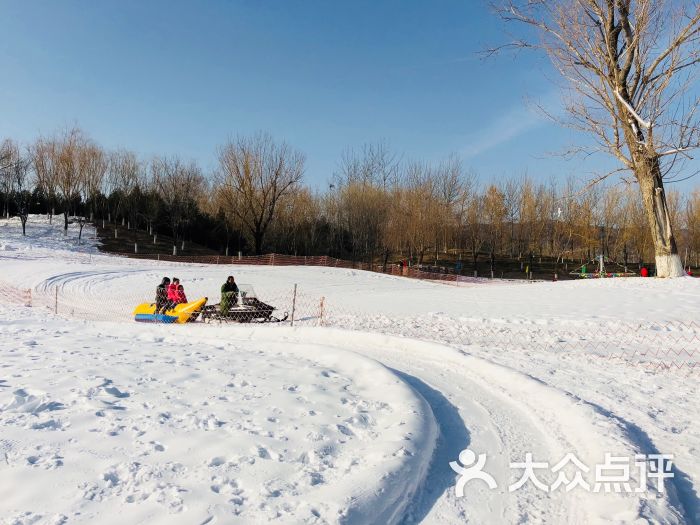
(69, 173)
(473, 228)
(7, 159)
(14, 171)
(629, 64)
(94, 164)
(21, 180)
(451, 183)
(495, 213)
(179, 186)
(124, 171)
(257, 173)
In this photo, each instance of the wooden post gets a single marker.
(294, 303)
(55, 304)
(320, 314)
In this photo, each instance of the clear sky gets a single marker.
(180, 77)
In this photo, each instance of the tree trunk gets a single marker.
(65, 221)
(258, 238)
(668, 262)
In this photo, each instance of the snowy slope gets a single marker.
(515, 372)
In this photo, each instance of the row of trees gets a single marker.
(378, 206)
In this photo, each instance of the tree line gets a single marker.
(378, 207)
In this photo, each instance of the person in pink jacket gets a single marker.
(172, 290)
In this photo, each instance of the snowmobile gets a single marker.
(243, 307)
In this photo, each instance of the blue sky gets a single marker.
(175, 77)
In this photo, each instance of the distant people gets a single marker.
(644, 272)
(229, 294)
(180, 296)
(162, 294)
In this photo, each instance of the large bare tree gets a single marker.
(629, 64)
(257, 172)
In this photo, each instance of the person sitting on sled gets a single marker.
(229, 294)
(180, 296)
(172, 290)
(162, 295)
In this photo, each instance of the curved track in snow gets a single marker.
(504, 414)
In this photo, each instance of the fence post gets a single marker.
(320, 315)
(294, 302)
(159, 257)
(55, 304)
(29, 296)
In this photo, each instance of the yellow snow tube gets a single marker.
(180, 313)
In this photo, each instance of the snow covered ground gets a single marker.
(104, 419)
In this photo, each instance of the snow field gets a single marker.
(140, 425)
(517, 370)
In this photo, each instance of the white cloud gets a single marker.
(514, 122)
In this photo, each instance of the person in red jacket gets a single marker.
(172, 290)
(644, 272)
(181, 297)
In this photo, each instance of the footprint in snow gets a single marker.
(217, 461)
(116, 392)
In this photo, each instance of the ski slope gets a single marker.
(408, 362)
